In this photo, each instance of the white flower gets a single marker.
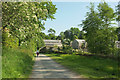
(20, 30)
(40, 10)
(9, 35)
(24, 36)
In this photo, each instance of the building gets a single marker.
(52, 43)
(117, 43)
(77, 43)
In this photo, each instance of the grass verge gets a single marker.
(16, 63)
(88, 66)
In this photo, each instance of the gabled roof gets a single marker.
(52, 42)
(80, 40)
(59, 41)
(117, 41)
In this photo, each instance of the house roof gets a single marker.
(80, 40)
(117, 41)
(52, 42)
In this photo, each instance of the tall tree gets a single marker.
(118, 19)
(118, 11)
(99, 36)
(67, 34)
(106, 14)
(73, 33)
(61, 36)
(52, 34)
(51, 31)
(25, 20)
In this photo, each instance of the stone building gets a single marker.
(52, 43)
(77, 43)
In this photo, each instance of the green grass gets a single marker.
(88, 66)
(16, 63)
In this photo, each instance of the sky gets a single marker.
(70, 14)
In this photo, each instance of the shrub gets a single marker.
(50, 49)
(59, 49)
(43, 50)
(67, 49)
(9, 41)
(33, 44)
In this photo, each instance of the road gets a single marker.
(45, 67)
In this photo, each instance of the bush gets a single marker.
(33, 44)
(59, 49)
(43, 50)
(51, 49)
(9, 41)
(67, 49)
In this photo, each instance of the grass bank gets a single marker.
(16, 63)
(88, 66)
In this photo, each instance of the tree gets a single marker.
(74, 33)
(51, 31)
(118, 33)
(81, 35)
(42, 35)
(100, 38)
(67, 34)
(61, 36)
(25, 20)
(106, 14)
(118, 11)
(118, 19)
(52, 34)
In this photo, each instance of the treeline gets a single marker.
(98, 30)
(23, 23)
(66, 37)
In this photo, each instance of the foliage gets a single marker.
(100, 36)
(47, 37)
(44, 50)
(118, 33)
(73, 33)
(88, 66)
(118, 11)
(16, 63)
(25, 20)
(67, 49)
(66, 42)
(59, 48)
(83, 46)
(52, 34)
(61, 36)
(9, 40)
(70, 35)
(51, 31)
(42, 35)
(106, 14)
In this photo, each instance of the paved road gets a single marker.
(45, 67)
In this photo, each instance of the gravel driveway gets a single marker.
(45, 67)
